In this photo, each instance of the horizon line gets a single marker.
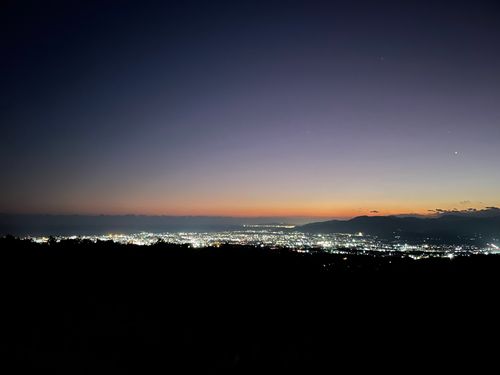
(374, 213)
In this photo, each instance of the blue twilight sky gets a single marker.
(249, 108)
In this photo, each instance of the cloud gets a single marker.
(442, 211)
(374, 212)
(485, 212)
(465, 202)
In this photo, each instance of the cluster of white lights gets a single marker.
(277, 238)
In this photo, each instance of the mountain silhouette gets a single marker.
(459, 228)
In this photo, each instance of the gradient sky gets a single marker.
(308, 108)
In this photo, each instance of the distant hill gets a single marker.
(448, 228)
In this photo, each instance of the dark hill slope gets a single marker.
(446, 228)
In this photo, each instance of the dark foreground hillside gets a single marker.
(84, 308)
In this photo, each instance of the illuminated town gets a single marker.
(275, 237)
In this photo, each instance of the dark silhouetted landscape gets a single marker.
(454, 227)
(81, 307)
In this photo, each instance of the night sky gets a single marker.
(308, 108)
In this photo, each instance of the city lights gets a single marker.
(277, 238)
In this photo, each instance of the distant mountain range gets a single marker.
(460, 227)
(469, 226)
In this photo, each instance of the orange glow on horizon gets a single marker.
(319, 211)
